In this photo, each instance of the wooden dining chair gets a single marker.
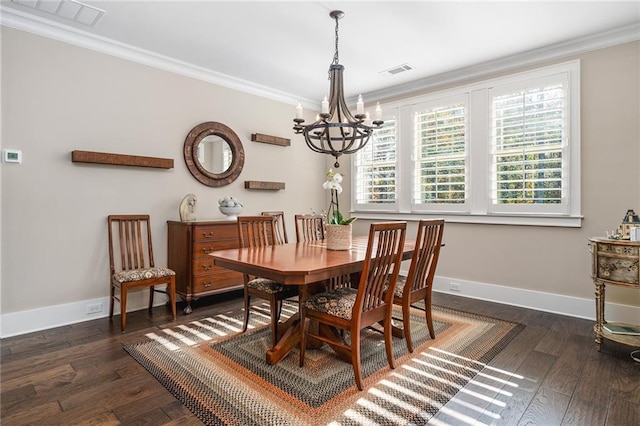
(257, 232)
(131, 263)
(309, 227)
(352, 309)
(418, 283)
(279, 225)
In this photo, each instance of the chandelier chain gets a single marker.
(335, 55)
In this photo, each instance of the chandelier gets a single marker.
(336, 131)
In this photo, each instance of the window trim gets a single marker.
(479, 185)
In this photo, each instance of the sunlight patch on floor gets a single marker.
(195, 332)
(164, 342)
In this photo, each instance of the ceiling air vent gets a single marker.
(397, 70)
(68, 9)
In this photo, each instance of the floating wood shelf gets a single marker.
(273, 140)
(120, 159)
(257, 184)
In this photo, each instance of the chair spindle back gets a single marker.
(381, 266)
(279, 227)
(426, 253)
(309, 227)
(256, 231)
(132, 235)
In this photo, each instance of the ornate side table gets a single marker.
(614, 262)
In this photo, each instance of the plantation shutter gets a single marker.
(529, 132)
(375, 166)
(440, 143)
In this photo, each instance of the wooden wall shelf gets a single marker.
(120, 159)
(273, 140)
(258, 184)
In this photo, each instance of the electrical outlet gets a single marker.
(454, 287)
(94, 308)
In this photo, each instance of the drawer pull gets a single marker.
(207, 234)
(207, 250)
(206, 267)
(207, 283)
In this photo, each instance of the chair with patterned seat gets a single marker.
(131, 263)
(259, 232)
(351, 309)
(417, 285)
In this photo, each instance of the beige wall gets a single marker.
(557, 260)
(57, 98)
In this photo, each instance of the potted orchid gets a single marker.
(338, 228)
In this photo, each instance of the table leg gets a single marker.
(292, 333)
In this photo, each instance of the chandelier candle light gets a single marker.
(336, 131)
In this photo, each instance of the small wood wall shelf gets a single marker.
(258, 184)
(273, 140)
(120, 159)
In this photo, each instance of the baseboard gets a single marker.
(537, 300)
(17, 323)
(23, 322)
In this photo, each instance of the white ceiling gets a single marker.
(286, 47)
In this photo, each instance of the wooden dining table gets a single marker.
(306, 265)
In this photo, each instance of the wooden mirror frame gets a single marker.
(195, 136)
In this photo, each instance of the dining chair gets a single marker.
(352, 309)
(131, 263)
(309, 227)
(418, 283)
(280, 227)
(259, 232)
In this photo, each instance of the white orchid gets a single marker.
(333, 184)
(333, 181)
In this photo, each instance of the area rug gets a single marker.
(221, 375)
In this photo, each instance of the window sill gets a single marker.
(559, 221)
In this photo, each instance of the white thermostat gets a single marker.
(12, 156)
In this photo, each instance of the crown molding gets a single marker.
(50, 29)
(552, 52)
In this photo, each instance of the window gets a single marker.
(529, 139)
(375, 167)
(440, 152)
(499, 151)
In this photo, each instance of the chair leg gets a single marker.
(111, 303)
(151, 291)
(427, 310)
(406, 325)
(388, 339)
(247, 299)
(355, 357)
(171, 287)
(123, 307)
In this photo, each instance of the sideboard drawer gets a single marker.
(215, 233)
(203, 248)
(222, 280)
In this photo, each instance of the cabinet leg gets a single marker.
(187, 309)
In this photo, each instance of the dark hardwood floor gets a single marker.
(79, 374)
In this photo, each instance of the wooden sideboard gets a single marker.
(189, 244)
(614, 262)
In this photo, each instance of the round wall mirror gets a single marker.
(214, 154)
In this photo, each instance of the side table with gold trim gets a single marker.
(614, 262)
